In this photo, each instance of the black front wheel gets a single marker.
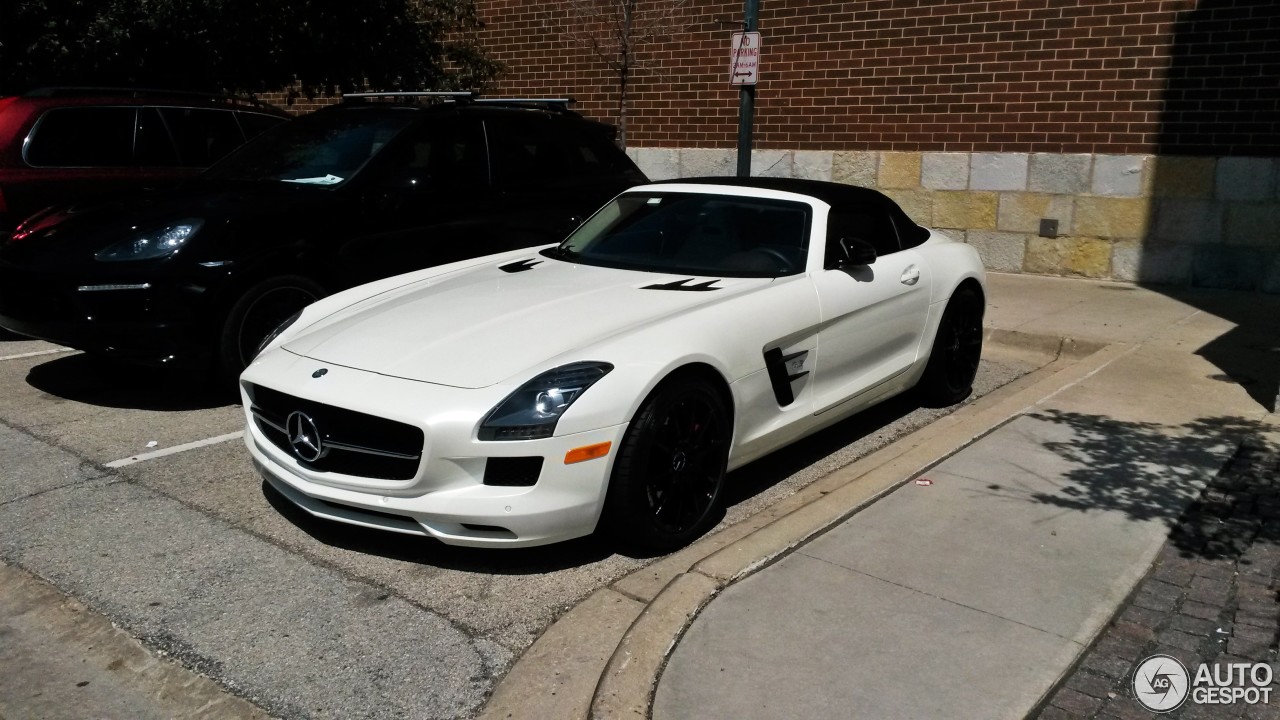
(256, 314)
(666, 482)
(953, 362)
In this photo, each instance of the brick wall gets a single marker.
(1073, 76)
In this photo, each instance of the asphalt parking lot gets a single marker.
(130, 490)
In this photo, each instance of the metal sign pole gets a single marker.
(747, 97)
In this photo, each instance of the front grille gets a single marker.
(350, 442)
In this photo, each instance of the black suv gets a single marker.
(63, 144)
(198, 276)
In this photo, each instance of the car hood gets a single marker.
(478, 327)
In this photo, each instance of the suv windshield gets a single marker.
(324, 149)
(693, 234)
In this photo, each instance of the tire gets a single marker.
(957, 348)
(260, 310)
(666, 483)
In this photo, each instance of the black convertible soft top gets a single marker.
(837, 195)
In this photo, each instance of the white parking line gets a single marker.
(175, 449)
(54, 351)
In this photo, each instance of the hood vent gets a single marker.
(681, 285)
(519, 265)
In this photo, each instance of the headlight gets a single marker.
(533, 411)
(271, 336)
(150, 245)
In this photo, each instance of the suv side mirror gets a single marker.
(855, 252)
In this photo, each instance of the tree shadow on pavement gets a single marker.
(1151, 472)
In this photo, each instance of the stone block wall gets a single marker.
(1200, 221)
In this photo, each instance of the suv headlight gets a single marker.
(533, 411)
(157, 243)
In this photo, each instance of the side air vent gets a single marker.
(519, 265)
(683, 285)
(780, 377)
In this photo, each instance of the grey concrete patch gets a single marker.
(944, 171)
(1271, 281)
(1117, 175)
(1245, 178)
(1134, 262)
(305, 639)
(885, 651)
(1227, 268)
(1188, 221)
(657, 163)
(714, 162)
(855, 167)
(1002, 251)
(1253, 224)
(770, 163)
(812, 164)
(1057, 173)
(998, 171)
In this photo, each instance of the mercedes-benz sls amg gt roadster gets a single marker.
(611, 381)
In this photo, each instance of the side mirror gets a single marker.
(855, 252)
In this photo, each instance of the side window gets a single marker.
(151, 145)
(526, 154)
(435, 155)
(202, 135)
(861, 222)
(254, 124)
(587, 151)
(83, 137)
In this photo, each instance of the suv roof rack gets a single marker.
(443, 94)
(559, 104)
(135, 92)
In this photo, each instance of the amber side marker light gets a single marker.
(587, 452)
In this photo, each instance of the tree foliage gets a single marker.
(242, 45)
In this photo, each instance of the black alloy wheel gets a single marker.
(667, 480)
(957, 350)
(256, 314)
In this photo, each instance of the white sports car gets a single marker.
(610, 381)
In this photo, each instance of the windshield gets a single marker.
(325, 149)
(693, 234)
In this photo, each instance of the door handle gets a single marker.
(911, 275)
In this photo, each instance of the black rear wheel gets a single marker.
(957, 349)
(666, 482)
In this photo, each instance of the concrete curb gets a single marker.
(667, 595)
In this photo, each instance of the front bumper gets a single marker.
(446, 498)
(143, 320)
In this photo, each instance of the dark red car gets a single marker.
(59, 145)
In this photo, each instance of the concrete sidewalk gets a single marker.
(874, 596)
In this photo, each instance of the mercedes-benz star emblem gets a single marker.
(304, 437)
